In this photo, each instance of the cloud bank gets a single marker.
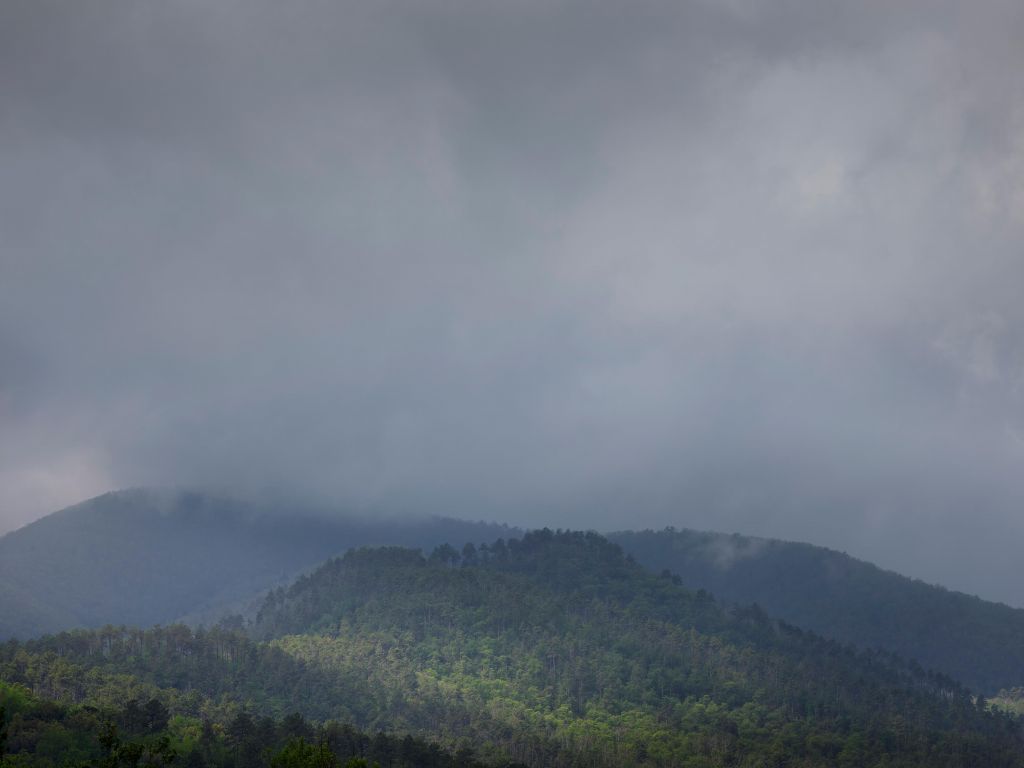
(720, 264)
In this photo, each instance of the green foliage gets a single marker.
(47, 735)
(1009, 700)
(980, 643)
(192, 672)
(556, 648)
(550, 650)
(118, 753)
(299, 753)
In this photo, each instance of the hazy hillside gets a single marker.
(553, 650)
(145, 557)
(978, 642)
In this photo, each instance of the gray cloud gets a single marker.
(725, 265)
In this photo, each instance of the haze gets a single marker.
(737, 266)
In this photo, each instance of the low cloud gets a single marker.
(713, 264)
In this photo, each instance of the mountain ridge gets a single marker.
(554, 649)
(142, 557)
(146, 557)
(976, 641)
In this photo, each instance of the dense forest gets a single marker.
(40, 733)
(145, 557)
(978, 642)
(554, 649)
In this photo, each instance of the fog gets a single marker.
(728, 265)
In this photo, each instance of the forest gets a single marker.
(551, 649)
(41, 733)
(195, 557)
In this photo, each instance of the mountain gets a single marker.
(562, 651)
(975, 641)
(551, 650)
(144, 557)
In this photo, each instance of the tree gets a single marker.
(118, 753)
(156, 716)
(298, 753)
(445, 554)
(3, 734)
(294, 726)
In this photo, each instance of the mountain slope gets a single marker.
(552, 650)
(973, 640)
(145, 557)
(560, 651)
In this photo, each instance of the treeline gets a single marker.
(201, 673)
(37, 733)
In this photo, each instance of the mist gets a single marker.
(707, 264)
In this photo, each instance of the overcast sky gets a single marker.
(736, 265)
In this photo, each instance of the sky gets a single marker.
(731, 265)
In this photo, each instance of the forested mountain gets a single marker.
(552, 650)
(144, 557)
(978, 642)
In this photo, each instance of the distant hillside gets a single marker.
(146, 557)
(978, 642)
